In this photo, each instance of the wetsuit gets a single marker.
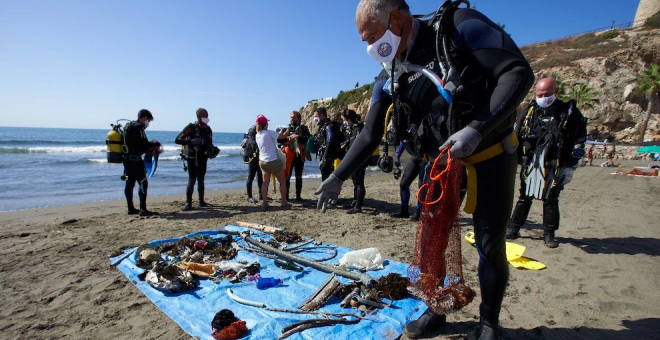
(359, 190)
(253, 166)
(134, 170)
(298, 162)
(542, 129)
(414, 169)
(197, 139)
(329, 138)
(495, 79)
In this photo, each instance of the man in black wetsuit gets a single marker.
(134, 171)
(251, 155)
(328, 139)
(354, 127)
(552, 133)
(414, 169)
(300, 145)
(197, 139)
(481, 71)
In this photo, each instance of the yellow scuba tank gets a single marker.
(114, 141)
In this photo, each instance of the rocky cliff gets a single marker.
(608, 62)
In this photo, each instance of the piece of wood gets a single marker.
(264, 228)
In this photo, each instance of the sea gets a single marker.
(43, 167)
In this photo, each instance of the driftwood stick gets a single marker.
(264, 228)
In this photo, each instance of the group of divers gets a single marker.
(451, 82)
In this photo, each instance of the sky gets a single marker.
(87, 63)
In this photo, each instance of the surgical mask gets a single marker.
(546, 101)
(384, 49)
(317, 120)
(205, 120)
(146, 123)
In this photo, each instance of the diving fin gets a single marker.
(514, 254)
(150, 163)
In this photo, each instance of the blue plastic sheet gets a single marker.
(194, 310)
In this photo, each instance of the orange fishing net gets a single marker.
(436, 273)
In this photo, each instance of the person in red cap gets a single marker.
(268, 160)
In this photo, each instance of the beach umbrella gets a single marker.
(650, 149)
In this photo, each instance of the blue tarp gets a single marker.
(194, 310)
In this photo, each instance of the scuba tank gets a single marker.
(114, 142)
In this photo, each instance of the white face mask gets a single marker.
(384, 49)
(146, 123)
(317, 120)
(546, 101)
(205, 120)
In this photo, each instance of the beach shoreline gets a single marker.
(600, 282)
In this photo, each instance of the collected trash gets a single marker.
(267, 282)
(287, 264)
(226, 326)
(363, 259)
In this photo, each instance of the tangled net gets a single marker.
(226, 326)
(436, 273)
(287, 236)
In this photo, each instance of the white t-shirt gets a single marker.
(266, 140)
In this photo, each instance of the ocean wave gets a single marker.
(17, 142)
(312, 176)
(66, 149)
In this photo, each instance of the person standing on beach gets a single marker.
(354, 127)
(268, 159)
(414, 169)
(134, 170)
(590, 154)
(552, 133)
(300, 144)
(197, 139)
(251, 157)
(328, 138)
(485, 76)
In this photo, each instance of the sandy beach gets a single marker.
(601, 283)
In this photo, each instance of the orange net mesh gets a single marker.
(436, 273)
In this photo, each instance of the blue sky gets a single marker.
(87, 63)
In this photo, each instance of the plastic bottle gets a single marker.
(267, 282)
(287, 264)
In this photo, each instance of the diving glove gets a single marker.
(463, 143)
(329, 191)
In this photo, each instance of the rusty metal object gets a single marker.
(325, 291)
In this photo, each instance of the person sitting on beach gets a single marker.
(637, 172)
(268, 160)
(134, 170)
(197, 139)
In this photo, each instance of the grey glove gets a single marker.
(322, 164)
(397, 162)
(463, 143)
(329, 191)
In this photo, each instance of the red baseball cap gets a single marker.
(261, 119)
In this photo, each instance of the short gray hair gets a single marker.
(380, 10)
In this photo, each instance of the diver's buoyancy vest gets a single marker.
(421, 111)
(197, 131)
